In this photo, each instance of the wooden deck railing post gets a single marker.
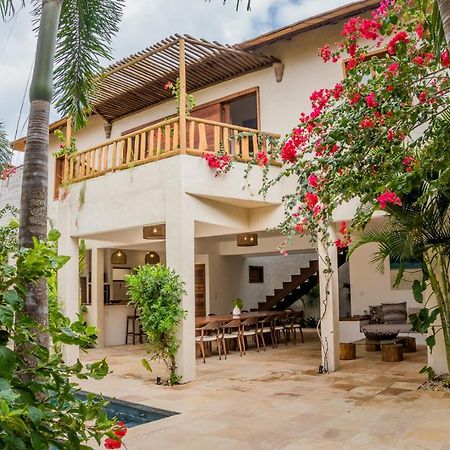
(67, 174)
(182, 105)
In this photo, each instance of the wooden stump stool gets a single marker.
(372, 346)
(347, 350)
(391, 352)
(408, 343)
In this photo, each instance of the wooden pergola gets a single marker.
(137, 81)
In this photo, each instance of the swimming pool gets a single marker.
(132, 414)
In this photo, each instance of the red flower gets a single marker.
(390, 88)
(408, 161)
(168, 85)
(390, 135)
(351, 27)
(120, 430)
(401, 36)
(325, 53)
(367, 123)
(351, 63)
(445, 58)
(352, 48)
(343, 227)
(388, 197)
(342, 243)
(338, 90)
(289, 152)
(393, 68)
(355, 99)
(261, 158)
(419, 31)
(112, 443)
(423, 97)
(369, 29)
(313, 180)
(311, 200)
(371, 100)
(418, 60)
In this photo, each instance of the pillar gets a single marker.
(180, 256)
(68, 279)
(98, 304)
(329, 304)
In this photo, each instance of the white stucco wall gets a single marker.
(371, 287)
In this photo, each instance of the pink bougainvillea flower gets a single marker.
(390, 135)
(369, 29)
(262, 158)
(419, 60)
(311, 200)
(371, 100)
(355, 99)
(343, 227)
(367, 123)
(338, 90)
(313, 180)
(342, 242)
(325, 53)
(393, 68)
(445, 58)
(408, 161)
(289, 152)
(388, 197)
(351, 63)
(423, 97)
(168, 85)
(400, 37)
(419, 31)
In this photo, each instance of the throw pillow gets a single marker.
(394, 312)
(376, 314)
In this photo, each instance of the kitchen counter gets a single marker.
(116, 323)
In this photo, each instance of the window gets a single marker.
(255, 274)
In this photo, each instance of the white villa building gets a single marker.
(139, 188)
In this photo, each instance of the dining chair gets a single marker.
(249, 328)
(209, 333)
(293, 324)
(279, 321)
(231, 330)
(265, 326)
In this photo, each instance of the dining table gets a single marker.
(203, 320)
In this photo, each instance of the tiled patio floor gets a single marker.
(277, 400)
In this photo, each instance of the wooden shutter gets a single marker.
(200, 291)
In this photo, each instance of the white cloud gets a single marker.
(146, 22)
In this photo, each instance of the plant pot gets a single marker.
(236, 312)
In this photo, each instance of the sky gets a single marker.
(144, 23)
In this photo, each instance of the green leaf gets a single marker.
(35, 414)
(146, 365)
(417, 291)
(431, 342)
(8, 361)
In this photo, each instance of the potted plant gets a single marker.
(238, 305)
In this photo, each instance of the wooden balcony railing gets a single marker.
(162, 140)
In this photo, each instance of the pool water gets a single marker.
(131, 414)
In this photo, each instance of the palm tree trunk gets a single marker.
(33, 204)
(444, 9)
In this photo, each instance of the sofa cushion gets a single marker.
(394, 312)
(376, 314)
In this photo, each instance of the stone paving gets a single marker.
(277, 400)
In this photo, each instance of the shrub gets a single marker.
(156, 291)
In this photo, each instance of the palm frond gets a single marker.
(9, 7)
(86, 30)
(437, 30)
(5, 149)
(238, 3)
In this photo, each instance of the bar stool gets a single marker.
(131, 320)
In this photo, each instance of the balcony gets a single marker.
(163, 140)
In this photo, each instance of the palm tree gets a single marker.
(5, 150)
(441, 20)
(76, 35)
(419, 231)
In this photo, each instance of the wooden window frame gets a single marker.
(256, 274)
(220, 100)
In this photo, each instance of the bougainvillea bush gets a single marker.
(380, 135)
